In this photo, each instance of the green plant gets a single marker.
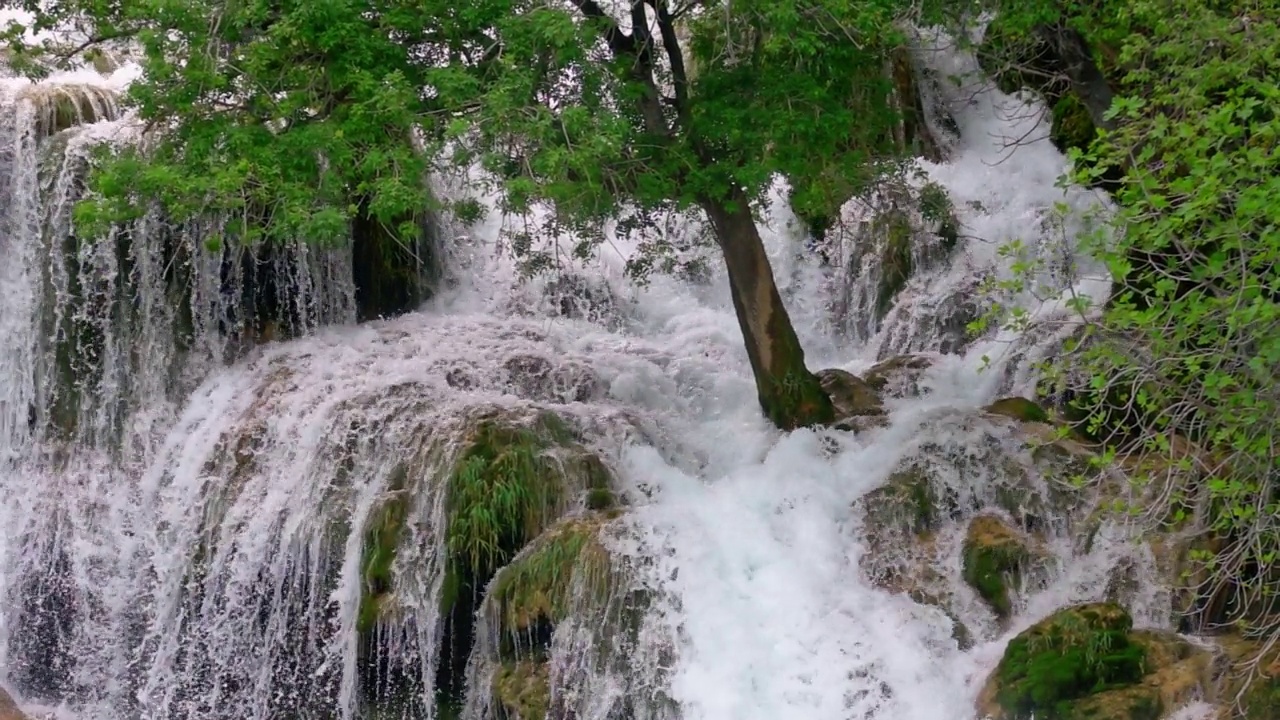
(1075, 653)
(1187, 348)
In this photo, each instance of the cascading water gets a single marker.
(227, 563)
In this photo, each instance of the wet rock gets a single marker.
(1087, 663)
(1248, 670)
(995, 559)
(9, 709)
(538, 378)
(522, 690)
(858, 406)
(910, 504)
(577, 297)
(1019, 408)
(899, 377)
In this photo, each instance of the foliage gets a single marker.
(539, 585)
(381, 543)
(1188, 346)
(504, 490)
(1074, 653)
(284, 117)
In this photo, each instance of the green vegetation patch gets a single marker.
(539, 585)
(994, 558)
(522, 690)
(1019, 408)
(1050, 669)
(381, 543)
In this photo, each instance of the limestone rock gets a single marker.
(995, 559)
(8, 708)
(858, 406)
(899, 377)
(538, 378)
(1251, 672)
(1019, 408)
(522, 690)
(576, 296)
(1087, 663)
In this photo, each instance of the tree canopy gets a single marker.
(296, 109)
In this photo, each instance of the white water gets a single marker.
(750, 539)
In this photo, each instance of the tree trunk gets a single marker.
(789, 394)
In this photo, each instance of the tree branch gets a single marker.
(619, 42)
(675, 56)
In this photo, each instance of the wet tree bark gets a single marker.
(790, 395)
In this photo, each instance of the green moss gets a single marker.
(522, 691)
(994, 557)
(896, 263)
(797, 399)
(1262, 702)
(1072, 126)
(381, 543)
(910, 502)
(538, 586)
(600, 499)
(1019, 408)
(1050, 669)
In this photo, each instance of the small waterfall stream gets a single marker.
(185, 520)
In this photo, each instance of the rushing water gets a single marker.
(210, 569)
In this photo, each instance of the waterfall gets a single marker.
(197, 525)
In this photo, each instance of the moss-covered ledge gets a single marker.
(1088, 663)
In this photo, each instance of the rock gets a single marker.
(1019, 408)
(1262, 700)
(858, 406)
(1249, 671)
(522, 690)
(899, 377)
(908, 503)
(1087, 663)
(538, 378)
(8, 708)
(995, 557)
(577, 297)
(514, 475)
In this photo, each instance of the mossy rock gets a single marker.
(511, 477)
(1249, 671)
(995, 556)
(907, 504)
(1054, 669)
(1019, 408)
(1262, 701)
(60, 107)
(522, 690)
(381, 544)
(896, 261)
(539, 585)
(1072, 127)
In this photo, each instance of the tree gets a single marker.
(294, 118)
